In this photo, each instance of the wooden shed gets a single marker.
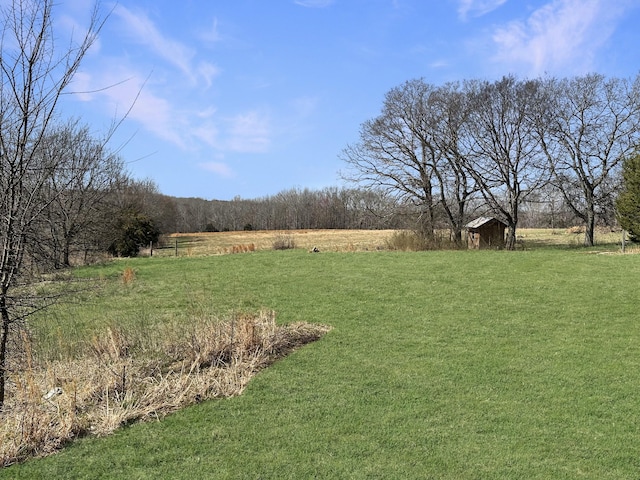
(485, 232)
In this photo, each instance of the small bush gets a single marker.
(133, 230)
(284, 242)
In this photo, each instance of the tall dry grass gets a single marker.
(135, 376)
(219, 243)
(409, 241)
(284, 242)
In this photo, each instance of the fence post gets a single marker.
(176, 247)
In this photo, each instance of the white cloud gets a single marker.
(213, 34)
(249, 132)
(122, 91)
(186, 126)
(171, 111)
(207, 131)
(439, 64)
(563, 34)
(314, 3)
(220, 169)
(208, 71)
(477, 8)
(158, 116)
(81, 86)
(154, 113)
(146, 33)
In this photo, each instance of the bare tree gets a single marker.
(504, 153)
(396, 153)
(415, 151)
(77, 192)
(590, 125)
(456, 185)
(411, 151)
(34, 75)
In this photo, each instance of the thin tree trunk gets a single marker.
(4, 337)
(65, 252)
(510, 242)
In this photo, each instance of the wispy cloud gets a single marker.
(123, 91)
(155, 113)
(477, 8)
(187, 126)
(212, 35)
(439, 64)
(177, 113)
(206, 130)
(208, 71)
(249, 132)
(563, 34)
(219, 168)
(144, 31)
(314, 3)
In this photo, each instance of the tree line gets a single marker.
(330, 208)
(492, 146)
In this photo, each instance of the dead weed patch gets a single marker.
(127, 377)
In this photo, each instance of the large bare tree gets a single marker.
(411, 151)
(34, 73)
(589, 126)
(452, 108)
(504, 155)
(396, 152)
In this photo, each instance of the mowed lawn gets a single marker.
(459, 364)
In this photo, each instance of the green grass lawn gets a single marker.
(440, 365)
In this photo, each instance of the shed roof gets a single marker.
(480, 221)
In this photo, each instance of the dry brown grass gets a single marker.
(284, 242)
(236, 249)
(136, 376)
(218, 243)
(566, 236)
(128, 275)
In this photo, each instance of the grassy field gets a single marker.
(217, 243)
(458, 364)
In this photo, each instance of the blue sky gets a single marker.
(251, 97)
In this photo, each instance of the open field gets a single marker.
(216, 243)
(456, 364)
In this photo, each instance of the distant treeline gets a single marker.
(328, 208)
